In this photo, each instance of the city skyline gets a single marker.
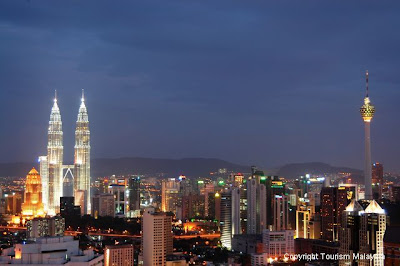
(167, 88)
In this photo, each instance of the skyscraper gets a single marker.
(361, 234)
(82, 154)
(367, 111)
(134, 193)
(256, 206)
(226, 219)
(281, 212)
(55, 151)
(33, 206)
(377, 180)
(156, 237)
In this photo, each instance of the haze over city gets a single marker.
(252, 83)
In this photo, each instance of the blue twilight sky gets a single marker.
(252, 82)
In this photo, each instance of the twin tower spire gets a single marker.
(52, 166)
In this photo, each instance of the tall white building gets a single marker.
(82, 154)
(256, 206)
(52, 167)
(52, 189)
(226, 219)
(157, 239)
(236, 229)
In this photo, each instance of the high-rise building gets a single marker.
(80, 200)
(45, 227)
(13, 203)
(226, 219)
(156, 237)
(120, 199)
(118, 255)
(302, 223)
(44, 174)
(134, 193)
(361, 234)
(256, 206)
(55, 151)
(82, 155)
(68, 208)
(192, 206)
(170, 195)
(281, 212)
(367, 111)
(236, 228)
(377, 180)
(33, 206)
(333, 202)
(103, 205)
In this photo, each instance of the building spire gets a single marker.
(83, 95)
(55, 95)
(366, 79)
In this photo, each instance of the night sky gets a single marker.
(252, 82)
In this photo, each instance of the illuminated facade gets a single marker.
(367, 111)
(55, 152)
(82, 155)
(361, 234)
(33, 206)
(52, 167)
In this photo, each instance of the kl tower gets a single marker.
(367, 113)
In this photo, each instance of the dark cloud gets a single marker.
(265, 82)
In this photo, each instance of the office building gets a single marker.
(333, 202)
(68, 207)
(170, 195)
(134, 193)
(120, 199)
(278, 243)
(103, 205)
(13, 203)
(377, 180)
(157, 240)
(361, 234)
(82, 156)
(80, 200)
(33, 206)
(45, 227)
(118, 255)
(52, 168)
(259, 259)
(280, 212)
(226, 219)
(256, 206)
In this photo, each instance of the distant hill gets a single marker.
(294, 170)
(192, 167)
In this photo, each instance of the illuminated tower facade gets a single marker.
(367, 111)
(55, 151)
(82, 155)
(33, 206)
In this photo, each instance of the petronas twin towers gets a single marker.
(52, 166)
